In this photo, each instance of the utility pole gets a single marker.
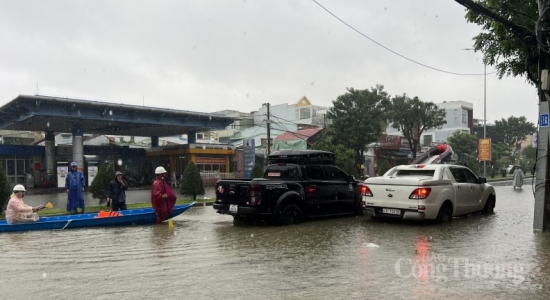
(485, 113)
(542, 188)
(268, 132)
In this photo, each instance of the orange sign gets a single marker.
(484, 149)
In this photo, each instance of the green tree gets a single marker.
(511, 132)
(530, 152)
(99, 186)
(358, 118)
(507, 40)
(464, 145)
(412, 117)
(530, 156)
(498, 152)
(384, 167)
(257, 171)
(326, 143)
(5, 189)
(191, 181)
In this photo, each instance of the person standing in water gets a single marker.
(163, 199)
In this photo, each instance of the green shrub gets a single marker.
(191, 181)
(257, 171)
(5, 189)
(98, 188)
(384, 167)
(349, 168)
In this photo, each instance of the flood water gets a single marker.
(208, 256)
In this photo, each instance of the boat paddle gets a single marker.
(48, 205)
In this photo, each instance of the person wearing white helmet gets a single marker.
(163, 199)
(19, 212)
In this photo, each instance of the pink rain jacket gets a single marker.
(163, 206)
(17, 210)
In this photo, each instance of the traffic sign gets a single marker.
(543, 120)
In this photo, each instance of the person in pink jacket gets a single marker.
(19, 212)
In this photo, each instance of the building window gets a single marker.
(464, 117)
(427, 140)
(305, 113)
(264, 142)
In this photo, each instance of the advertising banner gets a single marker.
(484, 149)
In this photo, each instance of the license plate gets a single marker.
(391, 211)
(233, 208)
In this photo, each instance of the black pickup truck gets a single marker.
(297, 184)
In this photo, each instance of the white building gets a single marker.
(459, 117)
(303, 112)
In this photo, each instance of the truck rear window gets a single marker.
(415, 173)
(286, 171)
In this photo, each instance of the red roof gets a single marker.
(303, 134)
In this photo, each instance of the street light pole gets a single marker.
(485, 113)
(484, 109)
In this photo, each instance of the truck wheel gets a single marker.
(489, 207)
(290, 214)
(359, 208)
(238, 218)
(444, 215)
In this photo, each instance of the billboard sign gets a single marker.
(484, 149)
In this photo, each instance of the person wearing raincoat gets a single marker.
(74, 186)
(116, 192)
(518, 178)
(19, 212)
(163, 199)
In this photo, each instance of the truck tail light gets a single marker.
(255, 194)
(420, 193)
(365, 191)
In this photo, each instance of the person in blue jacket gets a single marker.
(74, 185)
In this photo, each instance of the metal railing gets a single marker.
(210, 177)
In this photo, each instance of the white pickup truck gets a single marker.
(427, 192)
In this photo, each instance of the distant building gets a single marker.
(303, 112)
(296, 140)
(459, 117)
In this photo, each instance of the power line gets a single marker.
(396, 53)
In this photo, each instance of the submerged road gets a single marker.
(208, 256)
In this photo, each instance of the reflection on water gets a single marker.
(207, 256)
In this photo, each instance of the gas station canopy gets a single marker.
(57, 114)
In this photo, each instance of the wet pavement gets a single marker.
(208, 256)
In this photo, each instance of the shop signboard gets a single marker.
(484, 149)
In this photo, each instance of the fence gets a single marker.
(210, 178)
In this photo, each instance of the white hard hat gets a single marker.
(19, 188)
(160, 170)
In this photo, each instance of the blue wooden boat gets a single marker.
(138, 216)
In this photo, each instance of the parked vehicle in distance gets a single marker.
(297, 184)
(510, 169)
(427, 192)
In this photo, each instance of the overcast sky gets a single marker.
(209, 55)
